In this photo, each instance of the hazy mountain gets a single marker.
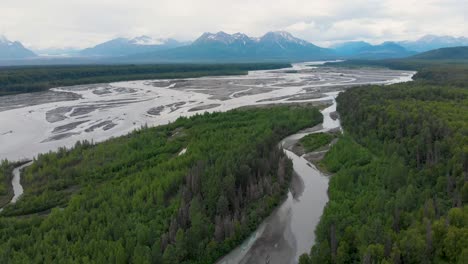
(430, 42)
(364, 50)
(13, 50)
(57, 52)
(240, 47)
(123, 46)
(222, 47)
(283, 45)
(455, 53)
(350, 48)
(385, 50)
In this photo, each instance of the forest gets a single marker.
(186, 192)
(399, 192)
(27, 79)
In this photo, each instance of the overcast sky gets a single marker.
(83, 23)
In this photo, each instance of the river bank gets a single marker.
(289, 231)
(102, 111)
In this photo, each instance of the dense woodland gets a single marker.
(26, 79)
(134, 199)
(399, 193)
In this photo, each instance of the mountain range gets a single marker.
(364, 50)
(431, 42)
(221, 47)
(124, 46)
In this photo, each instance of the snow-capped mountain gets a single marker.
(283, 39)
(222, 46)
(282, 44)
(13, 50)
(280, 39)
(222, 39)
(145, 40)
(430, 42)
(124, 46)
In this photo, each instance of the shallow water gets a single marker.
(36, 123)
(16, 182)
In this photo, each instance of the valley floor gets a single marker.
(149, 194)
(33, 124)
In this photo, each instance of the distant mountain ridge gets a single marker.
(220, 47)
(431, 42)
(454, 53)
(10, 50)
(364, 50)
(278, 45)
(125, 46)
(350, 47)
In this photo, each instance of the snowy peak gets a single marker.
(280, 38)
(241, 37)
(146, 40)
(220, 37)
(140, 40)
(13, 50)
(225, 39)
(5, 41)
(278, 45)
(283, 36)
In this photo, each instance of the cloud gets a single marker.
(81, 23)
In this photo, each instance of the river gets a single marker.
(290, 230)
(16, 183)
(34, 124)
(41, 122)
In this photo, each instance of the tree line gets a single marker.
(27, 79)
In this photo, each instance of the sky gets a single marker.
(83, 23)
